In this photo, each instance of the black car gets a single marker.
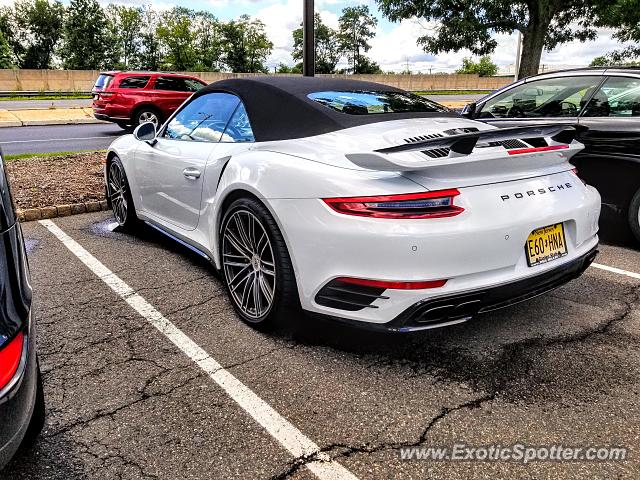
(21, 395)
(605, 103)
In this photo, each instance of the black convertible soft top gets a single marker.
(279, 109)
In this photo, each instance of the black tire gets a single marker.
(37, 418)
(144, 114)
(119, 195)
(634, 215)
(285, 304)
(124, 125)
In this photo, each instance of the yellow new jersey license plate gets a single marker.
(545, 244)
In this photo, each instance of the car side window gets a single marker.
(134, 82)
(192, 85)
(550, 97)
(204, 119)
(618, 97)
(238, 129)
(171, 83)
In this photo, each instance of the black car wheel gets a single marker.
(146, 114)
(119, 194)
(634, 215)
(256, 265)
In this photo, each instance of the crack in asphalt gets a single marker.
(144, 395)
(493, 377)
(511, 355)
(345, 450)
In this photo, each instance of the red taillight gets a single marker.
(436, 204)
(106, 95)
(393, 285)
(517, 151)
(10, 356)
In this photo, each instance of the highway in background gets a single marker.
(76, 138)
(86, 102)
(58, 138)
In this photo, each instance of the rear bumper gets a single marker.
(457, 308)
(103, 116)
(17, 403)
(478, 249)
(111, 112)
(451, 309)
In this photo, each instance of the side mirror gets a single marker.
(533, 92)
(145, 132)
(469, 110)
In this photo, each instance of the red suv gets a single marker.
(132, 98)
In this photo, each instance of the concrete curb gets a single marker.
(32, 214)
(49, 116)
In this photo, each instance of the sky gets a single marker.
(394, 46)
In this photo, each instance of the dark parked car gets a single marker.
(604, 100)
(21, 395)
(132, 98)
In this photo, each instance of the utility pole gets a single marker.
(518, 55)
(308, 39)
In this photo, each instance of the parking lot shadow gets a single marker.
(563, 346)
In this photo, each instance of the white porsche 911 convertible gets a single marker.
(358, 201)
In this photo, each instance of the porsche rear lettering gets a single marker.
(539, 191)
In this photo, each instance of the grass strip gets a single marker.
(20, 156)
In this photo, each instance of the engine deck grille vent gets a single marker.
(422, 138)
(437, 152)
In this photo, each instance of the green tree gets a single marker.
(208, 41)
(125, 25)
(177, 39)
(600, 61)
(6, 55)
(328, 49)
(620, 58)
(40, 23)
(246, 45)
(11, 34)
(357, 27)
(624, 16)
(85, 36)
(368, 66)
(484, 67)
(283, 68)
(471, 24)
(150, 49)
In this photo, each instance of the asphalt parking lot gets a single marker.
(124, 402)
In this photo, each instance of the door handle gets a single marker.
(191, 173)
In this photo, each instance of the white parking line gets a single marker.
(278, 427)
(616, 270)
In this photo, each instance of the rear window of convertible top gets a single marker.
(369, 103)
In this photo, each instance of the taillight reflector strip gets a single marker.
(10, 356)
(395, 285)
(436, 204)
(547, 148)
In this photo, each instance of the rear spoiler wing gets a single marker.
(461, 144)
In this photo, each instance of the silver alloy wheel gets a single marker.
(147, 116)
(248, 263)
(117, 189)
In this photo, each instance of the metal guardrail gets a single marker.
(41, 93)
